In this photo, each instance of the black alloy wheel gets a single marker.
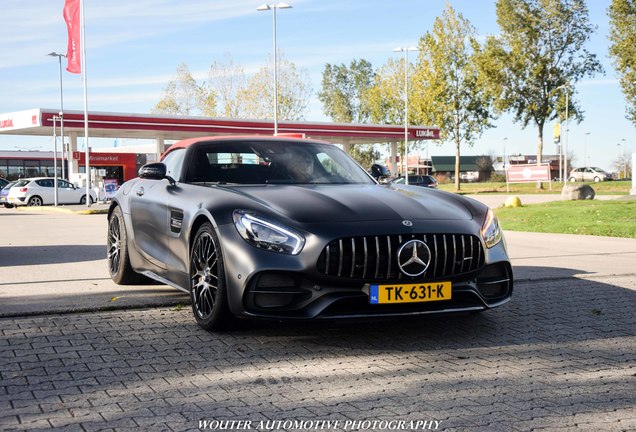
(207, 281)
(119, 267)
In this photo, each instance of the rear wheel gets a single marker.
(35, 201)
(572, 179)
(119, 267)
(207, 281)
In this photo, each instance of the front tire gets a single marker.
(83, 200)
(121, 272)
(208, 290)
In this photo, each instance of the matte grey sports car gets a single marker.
(284, 228)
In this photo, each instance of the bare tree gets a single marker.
(294, 90)
(183, 96)
(227, 80)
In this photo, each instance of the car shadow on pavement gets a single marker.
(49, 254)
(560, 352)
(554, 307)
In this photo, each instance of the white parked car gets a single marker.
(589, 174)
(40, 191)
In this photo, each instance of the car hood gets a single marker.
(358, 203)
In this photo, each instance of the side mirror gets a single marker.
(155, 171)
(378, 171)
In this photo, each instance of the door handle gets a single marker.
(140, 191)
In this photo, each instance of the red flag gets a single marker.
(72, 18)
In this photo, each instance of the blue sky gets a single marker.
(133, 49)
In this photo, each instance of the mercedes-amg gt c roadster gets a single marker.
(293, 228)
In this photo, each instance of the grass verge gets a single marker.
(613, 218)
(621, 187)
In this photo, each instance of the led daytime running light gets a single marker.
(490, 230)
(276, 238)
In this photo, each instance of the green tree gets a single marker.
(386, 101)
(539, 51)
(345, 91)
(294, 89)
(446, 92)
(183, 96)
(622, 14)
(365, 154)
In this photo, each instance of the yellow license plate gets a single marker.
(410, 293)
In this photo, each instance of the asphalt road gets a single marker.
(560, 356)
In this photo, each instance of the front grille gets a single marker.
(375, 257)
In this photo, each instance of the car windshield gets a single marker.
(274, 162)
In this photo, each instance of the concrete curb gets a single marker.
(73, 209)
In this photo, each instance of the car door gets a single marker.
(44, 189)
(578, 174)
(149, 215)
(66, 193)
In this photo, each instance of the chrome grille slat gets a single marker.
(462, 256)
(341, 257)
(366, 258)
(388, 271)
(377, 256)
(353, 257)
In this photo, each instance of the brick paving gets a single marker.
(560, 357)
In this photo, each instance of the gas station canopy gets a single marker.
(40, 121)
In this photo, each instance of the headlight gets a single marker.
(490, 231)
(267, 234)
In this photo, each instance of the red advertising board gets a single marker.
(528, 173)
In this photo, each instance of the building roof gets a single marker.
(447, 163)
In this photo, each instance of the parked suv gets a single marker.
(589, 174)
(40, 191)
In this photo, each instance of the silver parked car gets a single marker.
(589, 174)
(41, 191)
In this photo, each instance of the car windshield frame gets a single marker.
(266, 162)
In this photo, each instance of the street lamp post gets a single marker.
(55, 191)
(585, 161)
(406, 107)
(564, 149)
(273, 8)
(59, 57)
(504, 154)
(622, 158)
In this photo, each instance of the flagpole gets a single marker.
(86, 143)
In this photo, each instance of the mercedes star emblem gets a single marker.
(414, 257)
